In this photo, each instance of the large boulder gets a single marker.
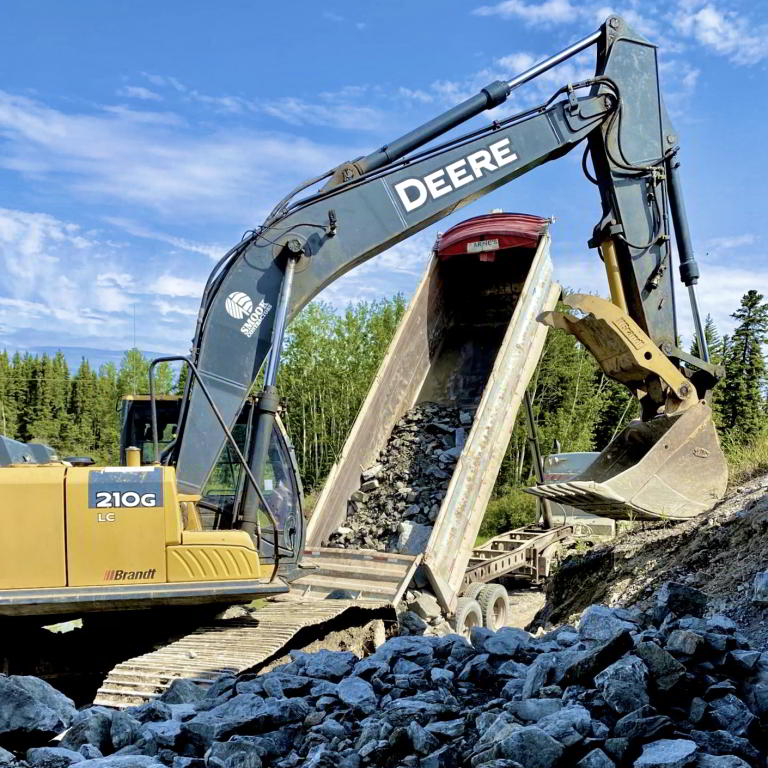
(529, 746)
(31, 711)
(667, 753)
(91, 726)
(238, 752)
(358, 695)
(665, 670)
(52, 757)
(680, 600)
(412, 537)
(122, 761)
(124, 729)
(182, 691)
(624, 684)
(600, 623)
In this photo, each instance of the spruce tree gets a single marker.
(742, 405)
(714, 342)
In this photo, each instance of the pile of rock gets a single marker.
(663, 689)
(400, 495)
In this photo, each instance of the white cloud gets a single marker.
(347, 116)
(63, 285)
(719, 292)
(396, 270)
(116, 279)
(139, 92)
(174, 308)
(725, 32)
(721, 30)
(546, 13)
(216, 173)
(213, 251)
(163, 81)
(172, 285)
(417, 95)
(730, 242)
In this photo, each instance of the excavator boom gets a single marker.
(369, 204)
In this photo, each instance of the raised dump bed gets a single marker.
(469, 340)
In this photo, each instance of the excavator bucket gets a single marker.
(670, 467)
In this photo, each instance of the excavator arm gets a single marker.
(369, 204)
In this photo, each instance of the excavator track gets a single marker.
(226, 646)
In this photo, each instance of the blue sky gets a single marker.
(139, 139)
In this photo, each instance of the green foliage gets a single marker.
(511, 508)
(328, 363)
(747, 459)
(714, 342)
(40, 400)
(741, 401)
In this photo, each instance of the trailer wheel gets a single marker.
(494, 604)
(473, 590)
(467, 615)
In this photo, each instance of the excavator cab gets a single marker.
(220, 506)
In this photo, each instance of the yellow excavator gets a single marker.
(80, 538)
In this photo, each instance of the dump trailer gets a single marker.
(469, 338)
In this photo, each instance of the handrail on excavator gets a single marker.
(230, 438)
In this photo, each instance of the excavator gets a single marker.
(84, 538)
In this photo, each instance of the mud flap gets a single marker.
(670, 467)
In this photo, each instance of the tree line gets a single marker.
(328, 363)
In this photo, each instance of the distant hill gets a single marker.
(74, 355)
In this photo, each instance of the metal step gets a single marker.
(367, 574)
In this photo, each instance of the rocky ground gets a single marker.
(400, 495)
(720, 552)
(655, 688)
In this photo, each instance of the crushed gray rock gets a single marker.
(52, 757)
(760, 588)
(667, 753)
(400, 495)
(610, 697)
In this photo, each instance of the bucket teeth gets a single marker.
(596, 498)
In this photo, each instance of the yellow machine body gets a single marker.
(85, 538)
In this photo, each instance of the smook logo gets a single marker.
(414, 192)
(239, 305)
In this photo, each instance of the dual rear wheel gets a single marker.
(481, 605)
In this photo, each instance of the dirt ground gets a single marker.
(719, 553)
(362, 641)
(525, 601)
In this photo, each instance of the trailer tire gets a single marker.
(493, 600)
(473, 590)
(467, 615)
